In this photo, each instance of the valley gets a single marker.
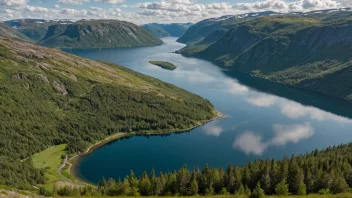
(247, 105)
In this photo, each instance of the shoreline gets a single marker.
(73, 161)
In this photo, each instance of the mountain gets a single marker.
(98, 34)
(164, 30)
(307, 50)
(202, 29)
(48, 97)
(8, 32)
(35, 29)
(84, 33)
(156, 31)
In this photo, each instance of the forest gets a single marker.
(324, 172)
(48, 98)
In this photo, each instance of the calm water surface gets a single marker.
(265, 120)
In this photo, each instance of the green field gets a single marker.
(164, 65)
(50, 159)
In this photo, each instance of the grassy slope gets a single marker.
(50, 159)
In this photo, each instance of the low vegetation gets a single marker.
(50, 98)
(50, 160)
(164, 65)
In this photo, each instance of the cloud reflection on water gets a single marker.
(212, 129)
(262, 100)
(251, 143)
(234, 87)
(295, 110)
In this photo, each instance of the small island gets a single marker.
(164, 65)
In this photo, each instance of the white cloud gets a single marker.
(167, 11)
(346, 3)
(181, 1)
(212, 129)
(251, 143)
(13, 3)
(36, 9)
(262, 100)
(74, 12)
(110, 1)
(291, 133)
(287, 6)
(73, 2)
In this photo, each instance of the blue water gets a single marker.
(265, 120)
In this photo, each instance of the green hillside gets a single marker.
(98, 34)
(48, 97)
(84, 33)
(311, 50)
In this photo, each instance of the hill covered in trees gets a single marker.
(48, 97)
(310, 50)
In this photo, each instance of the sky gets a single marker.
(149, 11)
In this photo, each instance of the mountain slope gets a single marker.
(8, 32)
(156, 31)
(310, 50)
(35, 29)
(98, 34)
(202, 29)
(48, 97)
(172, 29)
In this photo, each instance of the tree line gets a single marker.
(320, 172)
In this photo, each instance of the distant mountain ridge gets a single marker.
(84, 33)
(165, 30)
(202, 29)
(8, 32)
(308, 50)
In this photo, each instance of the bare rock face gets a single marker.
(26, 86)
(43, 78)
(19, 76)
(60, 88)
(73, 77)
